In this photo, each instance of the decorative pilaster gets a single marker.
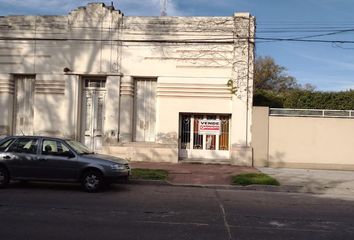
(112, 110)
(7, 88)
(126, 109)
(242, 78)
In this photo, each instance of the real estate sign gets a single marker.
(209, 127)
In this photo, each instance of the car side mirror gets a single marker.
(69, 155)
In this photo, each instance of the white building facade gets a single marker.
(136, 87)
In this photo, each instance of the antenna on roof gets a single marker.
(111, 7)
(163, 7)
(22, 132)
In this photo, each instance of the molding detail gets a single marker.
(127, 87)
(50, 87)
(7, 86)
(193, 90)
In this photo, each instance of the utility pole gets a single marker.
(163, 7)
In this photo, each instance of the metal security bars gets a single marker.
(185, 132)
(191, 139)
(324, 113)
(224, 137)
(197, 139)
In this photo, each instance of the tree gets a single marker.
(270, 76)
(274, 87)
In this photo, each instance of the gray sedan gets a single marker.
(39, 158)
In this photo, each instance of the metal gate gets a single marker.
(193, 145)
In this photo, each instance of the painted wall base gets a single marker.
(154, 152)
(144, 152)
(242, 156)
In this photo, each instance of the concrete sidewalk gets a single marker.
(197, 174)
(326, 183)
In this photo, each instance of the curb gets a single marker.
(265, 188)
(260, 188)
(148, 182)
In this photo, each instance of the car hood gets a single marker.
(106, 158)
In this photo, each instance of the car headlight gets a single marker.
(117, 167)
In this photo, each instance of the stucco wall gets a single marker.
(54, 111)
(305, 142)
(260, 136)
(79, 42)
(302, 142)
(193, 60)
(188, 95)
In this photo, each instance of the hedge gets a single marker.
(303, 99)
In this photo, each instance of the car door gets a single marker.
(22, 158)
(57, 161)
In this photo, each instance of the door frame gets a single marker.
(203, 153)
(95, 91)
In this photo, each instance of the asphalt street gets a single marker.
(127, 211)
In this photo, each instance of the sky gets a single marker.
(327, 65)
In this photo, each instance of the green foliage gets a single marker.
(230, 84)
(303, 99)
(274, 88)
(149, 174)
(270, 76)
(267, 98)
(320, 100)
(254, 178)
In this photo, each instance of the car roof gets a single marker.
(34, 136)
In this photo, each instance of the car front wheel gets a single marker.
(92, 181)
(4, 177)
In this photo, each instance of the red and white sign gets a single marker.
(209, 127)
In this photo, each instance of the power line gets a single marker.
(283, 27)
(303, 40)
(202, 40)
(189, 41)
(228, 40)
(326, 34)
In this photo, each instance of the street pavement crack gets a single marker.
(223, 212)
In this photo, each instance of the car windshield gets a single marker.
(79, 147)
